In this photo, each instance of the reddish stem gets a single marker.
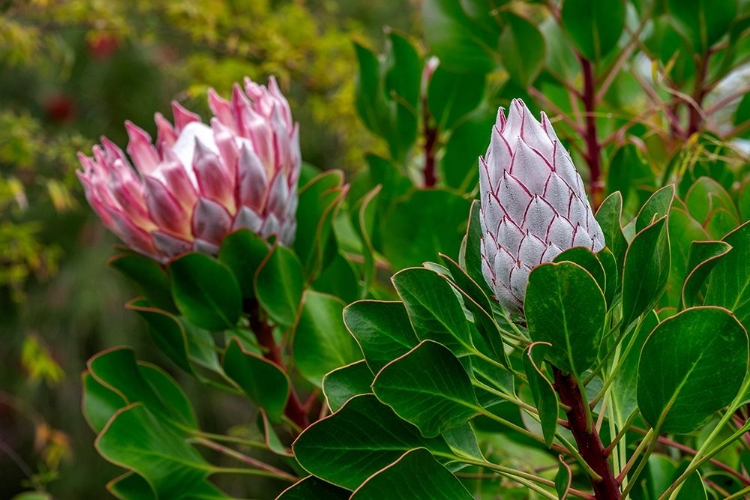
(430, 145)
(264, 333)
(593, 148)
(589, 444)
(699, 92)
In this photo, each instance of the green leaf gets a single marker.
(560, 59)
(399, 481)
(263, 382)
(451, 96)
(523, 49)
(131, 486)
(382, 329)
(206, 291)
(646, 271)
(743, 201)
(321, 341)
(693, 487)
(563, 480)
(702, 22)
(403, 74)
(594, 26)
(691, 366)
(611, 273)
(423, 224)
(625, 386)
(117, 370)
(545, 397)
(587, 260)
(627, 167)
(342, 384)
(656, 207)
(434, 308)
(243, 252)
(469, 139)
(340, 279)
(150, 275)
(312, 488)
(318, 202)
(167, 333)
(365, 225)
(683, 231)
(99, 403)
(479, 306)
(729, 282)
(429, 387)
(703, 257)
(278, 285)
(357, 441)
(565, 308)
(136, 440)
(461, 44)
(707, 195)
(608, 216)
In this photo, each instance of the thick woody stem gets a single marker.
(294, 410)
(593, 148)
(589, 444)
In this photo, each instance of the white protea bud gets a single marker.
(533, 202)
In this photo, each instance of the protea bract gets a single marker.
(533, 204)
(199, 182)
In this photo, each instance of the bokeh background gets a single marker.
(73, 70)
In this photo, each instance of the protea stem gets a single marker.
(294, 410)
(593, 148)
(430, 133)
(589, 444)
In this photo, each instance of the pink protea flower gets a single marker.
(200, 182)
(533, 204)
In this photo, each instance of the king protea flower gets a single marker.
(198, 182)
(533, 201)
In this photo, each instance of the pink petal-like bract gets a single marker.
(198, 182)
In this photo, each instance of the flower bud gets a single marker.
(197, 182)
(533, 204)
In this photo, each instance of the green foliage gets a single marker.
(360, 360)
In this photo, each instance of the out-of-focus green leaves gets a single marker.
(462, 42)
(702, 22)
(450, 96)
(387, 96)
(594, 26)
(423, 224)
(523, 49)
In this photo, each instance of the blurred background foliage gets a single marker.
(662, 101)
(73, 70)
